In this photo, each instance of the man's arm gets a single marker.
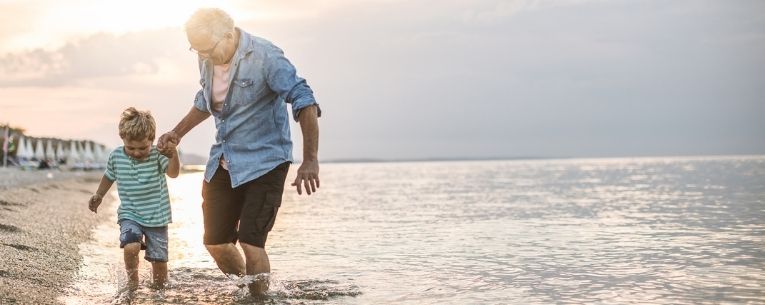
(191, 120)
(282, 78)
(308, 173)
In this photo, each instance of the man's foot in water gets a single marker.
(259, 285)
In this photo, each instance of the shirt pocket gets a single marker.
(267, 217)
(247, 90)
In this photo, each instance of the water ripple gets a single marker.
(595, 231)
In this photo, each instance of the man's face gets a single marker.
(217, 50)
(137, 149)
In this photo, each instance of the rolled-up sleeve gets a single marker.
(199, 101)
(282, 78)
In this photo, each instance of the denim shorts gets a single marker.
(153, 240)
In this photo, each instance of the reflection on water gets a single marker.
(608, 231)
(194, 278)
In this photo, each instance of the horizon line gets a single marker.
(443, 159)
(458, 159)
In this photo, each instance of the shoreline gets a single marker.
(43, 220)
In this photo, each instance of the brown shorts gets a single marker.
(245, 213)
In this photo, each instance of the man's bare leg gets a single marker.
(159, 274)
(130, 253)
(257, 263)
(227, 258)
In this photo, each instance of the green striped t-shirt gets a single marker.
(142, 187)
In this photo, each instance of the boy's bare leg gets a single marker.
(227, 258)
(159, 274)
(257, 263)
(131, 263)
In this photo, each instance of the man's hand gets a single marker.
(169, 149)
(167, 143)
(308, 176)
(94, 202)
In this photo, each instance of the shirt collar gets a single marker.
(245, 45)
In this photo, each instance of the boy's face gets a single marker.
(137, 149)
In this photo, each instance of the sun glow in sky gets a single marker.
(415, 79)
(49, 23)
(55, 22)
(55, 43)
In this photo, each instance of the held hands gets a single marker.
(167, 143)
(170, 150)
(94, 202)
(308, 176)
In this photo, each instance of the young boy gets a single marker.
(144, 212)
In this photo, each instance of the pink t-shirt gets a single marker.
(219, 91)
(220, 85)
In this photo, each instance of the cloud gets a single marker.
(412, 79)
(97, 56)
(533, 77)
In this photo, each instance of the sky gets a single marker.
(415, 79)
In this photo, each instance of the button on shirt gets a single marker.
(253, 133)
(219, 91)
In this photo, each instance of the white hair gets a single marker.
(211, 22)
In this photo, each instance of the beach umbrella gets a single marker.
(66, 152)
(25, 150)
(30, 149)
(39, 151)
(60, 150)
(81, 152)
(96, 155)
(87, 153)
(74, 155)
(103, 155)
(50, 154)
(29, 152)
(21, 148)
(78, 145)
(98, 151)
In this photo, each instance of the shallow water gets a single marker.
(606, 231)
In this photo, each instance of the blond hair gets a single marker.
(211, 22)
(137, 125)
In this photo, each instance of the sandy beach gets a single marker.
(43, 219)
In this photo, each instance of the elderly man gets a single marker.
(246, 84)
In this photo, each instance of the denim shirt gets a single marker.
(253, 131)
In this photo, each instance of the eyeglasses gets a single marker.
(208, 51)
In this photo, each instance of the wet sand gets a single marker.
(43, 219)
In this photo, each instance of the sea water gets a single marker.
(685, 230)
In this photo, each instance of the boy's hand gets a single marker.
(170, 145)
(167, 143)
(169, 149)
(169, 152)
(95, 201)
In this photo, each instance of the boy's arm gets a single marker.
(96, 199)
(174, 168)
